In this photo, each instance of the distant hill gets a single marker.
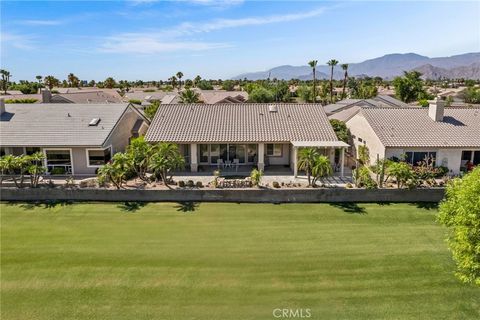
(389, 66)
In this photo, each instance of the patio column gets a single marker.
(342, 161)
(193, 157)
(295, 159)
(261, 152)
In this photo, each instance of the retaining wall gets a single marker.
(224, 195)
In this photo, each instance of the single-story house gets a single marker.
(76, 138)
(449, 135)
(247, 134)
(380, 101)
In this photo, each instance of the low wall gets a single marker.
(223, 195)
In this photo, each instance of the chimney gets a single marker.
(436, 109)
(46, 96)
(2, 106)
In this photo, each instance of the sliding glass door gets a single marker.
(211, 153)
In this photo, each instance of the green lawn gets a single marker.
(227, 261)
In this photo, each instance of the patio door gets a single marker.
(236, 151)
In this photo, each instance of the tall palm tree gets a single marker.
(5, 79)
(332, 63)
(179, 76)
(306, 161)
(345, 68)
(313, 65)
(73, 80)
(173, 81)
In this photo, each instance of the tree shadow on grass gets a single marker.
(38, 204)
(187, 206)
(426, 205)
(131, 206)
(349, 207)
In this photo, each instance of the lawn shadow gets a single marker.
(131, 206)
(426, 205)
(349, 207)
(187, 206)
(37, 204)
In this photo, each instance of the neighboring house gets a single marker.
(79, 97)
(75, 138)
(248, 134)
(380, 101)
(451, 135)
(221, 96)
(146, 98)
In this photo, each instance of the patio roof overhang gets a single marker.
(320, 144)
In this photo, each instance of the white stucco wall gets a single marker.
(284, 159)
(360, 128)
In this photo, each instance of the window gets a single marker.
(472, 156)
(2, 151)
(252, 153)
(58, 161)
(203, 153)
(31, 150)
(415, 158)
(274, 150)
(17, 151)
(99, 157)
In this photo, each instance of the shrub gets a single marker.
(199, 184)
(181, 184)
(149, 90)
(363, 179)
(275, 184)
(190, 184)
(29, 100)
(401, 171)
(58, 170)
(349, 185)
(135, 101)
(256, 176)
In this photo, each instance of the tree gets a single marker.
(345, 77)
(189, 96)
(256, 177)
(305, 93)
(409, 87)
(321, 168)
(5, 79)
(228, 85)
(39, 79)
(139, 152)
(472, 95)
(340, 129)
(166, 159)
(109, 83)
(196, 80)
(401, 171)
(306, 161)
(460, 212)
(261, 95)
(73, 81)
(332, 63)
(173, 81)
(10, 165)
(116, 170)
(151, 110)
(51, 82)
(204, 85)
(36, 168)
(313, 65)
(179, 76)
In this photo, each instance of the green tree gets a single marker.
(73, 80)
(189, 96)
(51, 82)
(5, 79)
(179, 76)
(35, 168)
(305, 93)
(204, 85)
(261, 95)
(472, 95)
(460, 212)
(173, 81)
(345, 77)
(256, 177)
(228, 85)
(409, 87)
(340, 129)
(401, 171)
(166, 159)
(151, 110)
(109, 83)
(321, 168)
(332, 63)
(313, 65)
(196, 81)
(140, 152)
(115, 171)
(306, 161)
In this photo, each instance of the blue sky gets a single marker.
(151, 40)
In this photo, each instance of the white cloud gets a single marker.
(174, 39)
(19, 41)
(41, 22)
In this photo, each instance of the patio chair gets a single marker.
(236, 163)
(220, 163)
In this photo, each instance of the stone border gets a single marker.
(226, 195)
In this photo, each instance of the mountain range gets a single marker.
(388, 66)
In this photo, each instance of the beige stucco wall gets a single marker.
(120, 136)
(283, 160)
(360, 128)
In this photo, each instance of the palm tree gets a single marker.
(166, 159)
(173, 81)
(10, 165)
(5, 79)
(179, 76)
(313, 65)
(109, 83)
(189, 96)
(72, 80)
(306, 161)
(51, 81)
(321, 168)
(344, 68)
(196, 80)
(332, 63)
